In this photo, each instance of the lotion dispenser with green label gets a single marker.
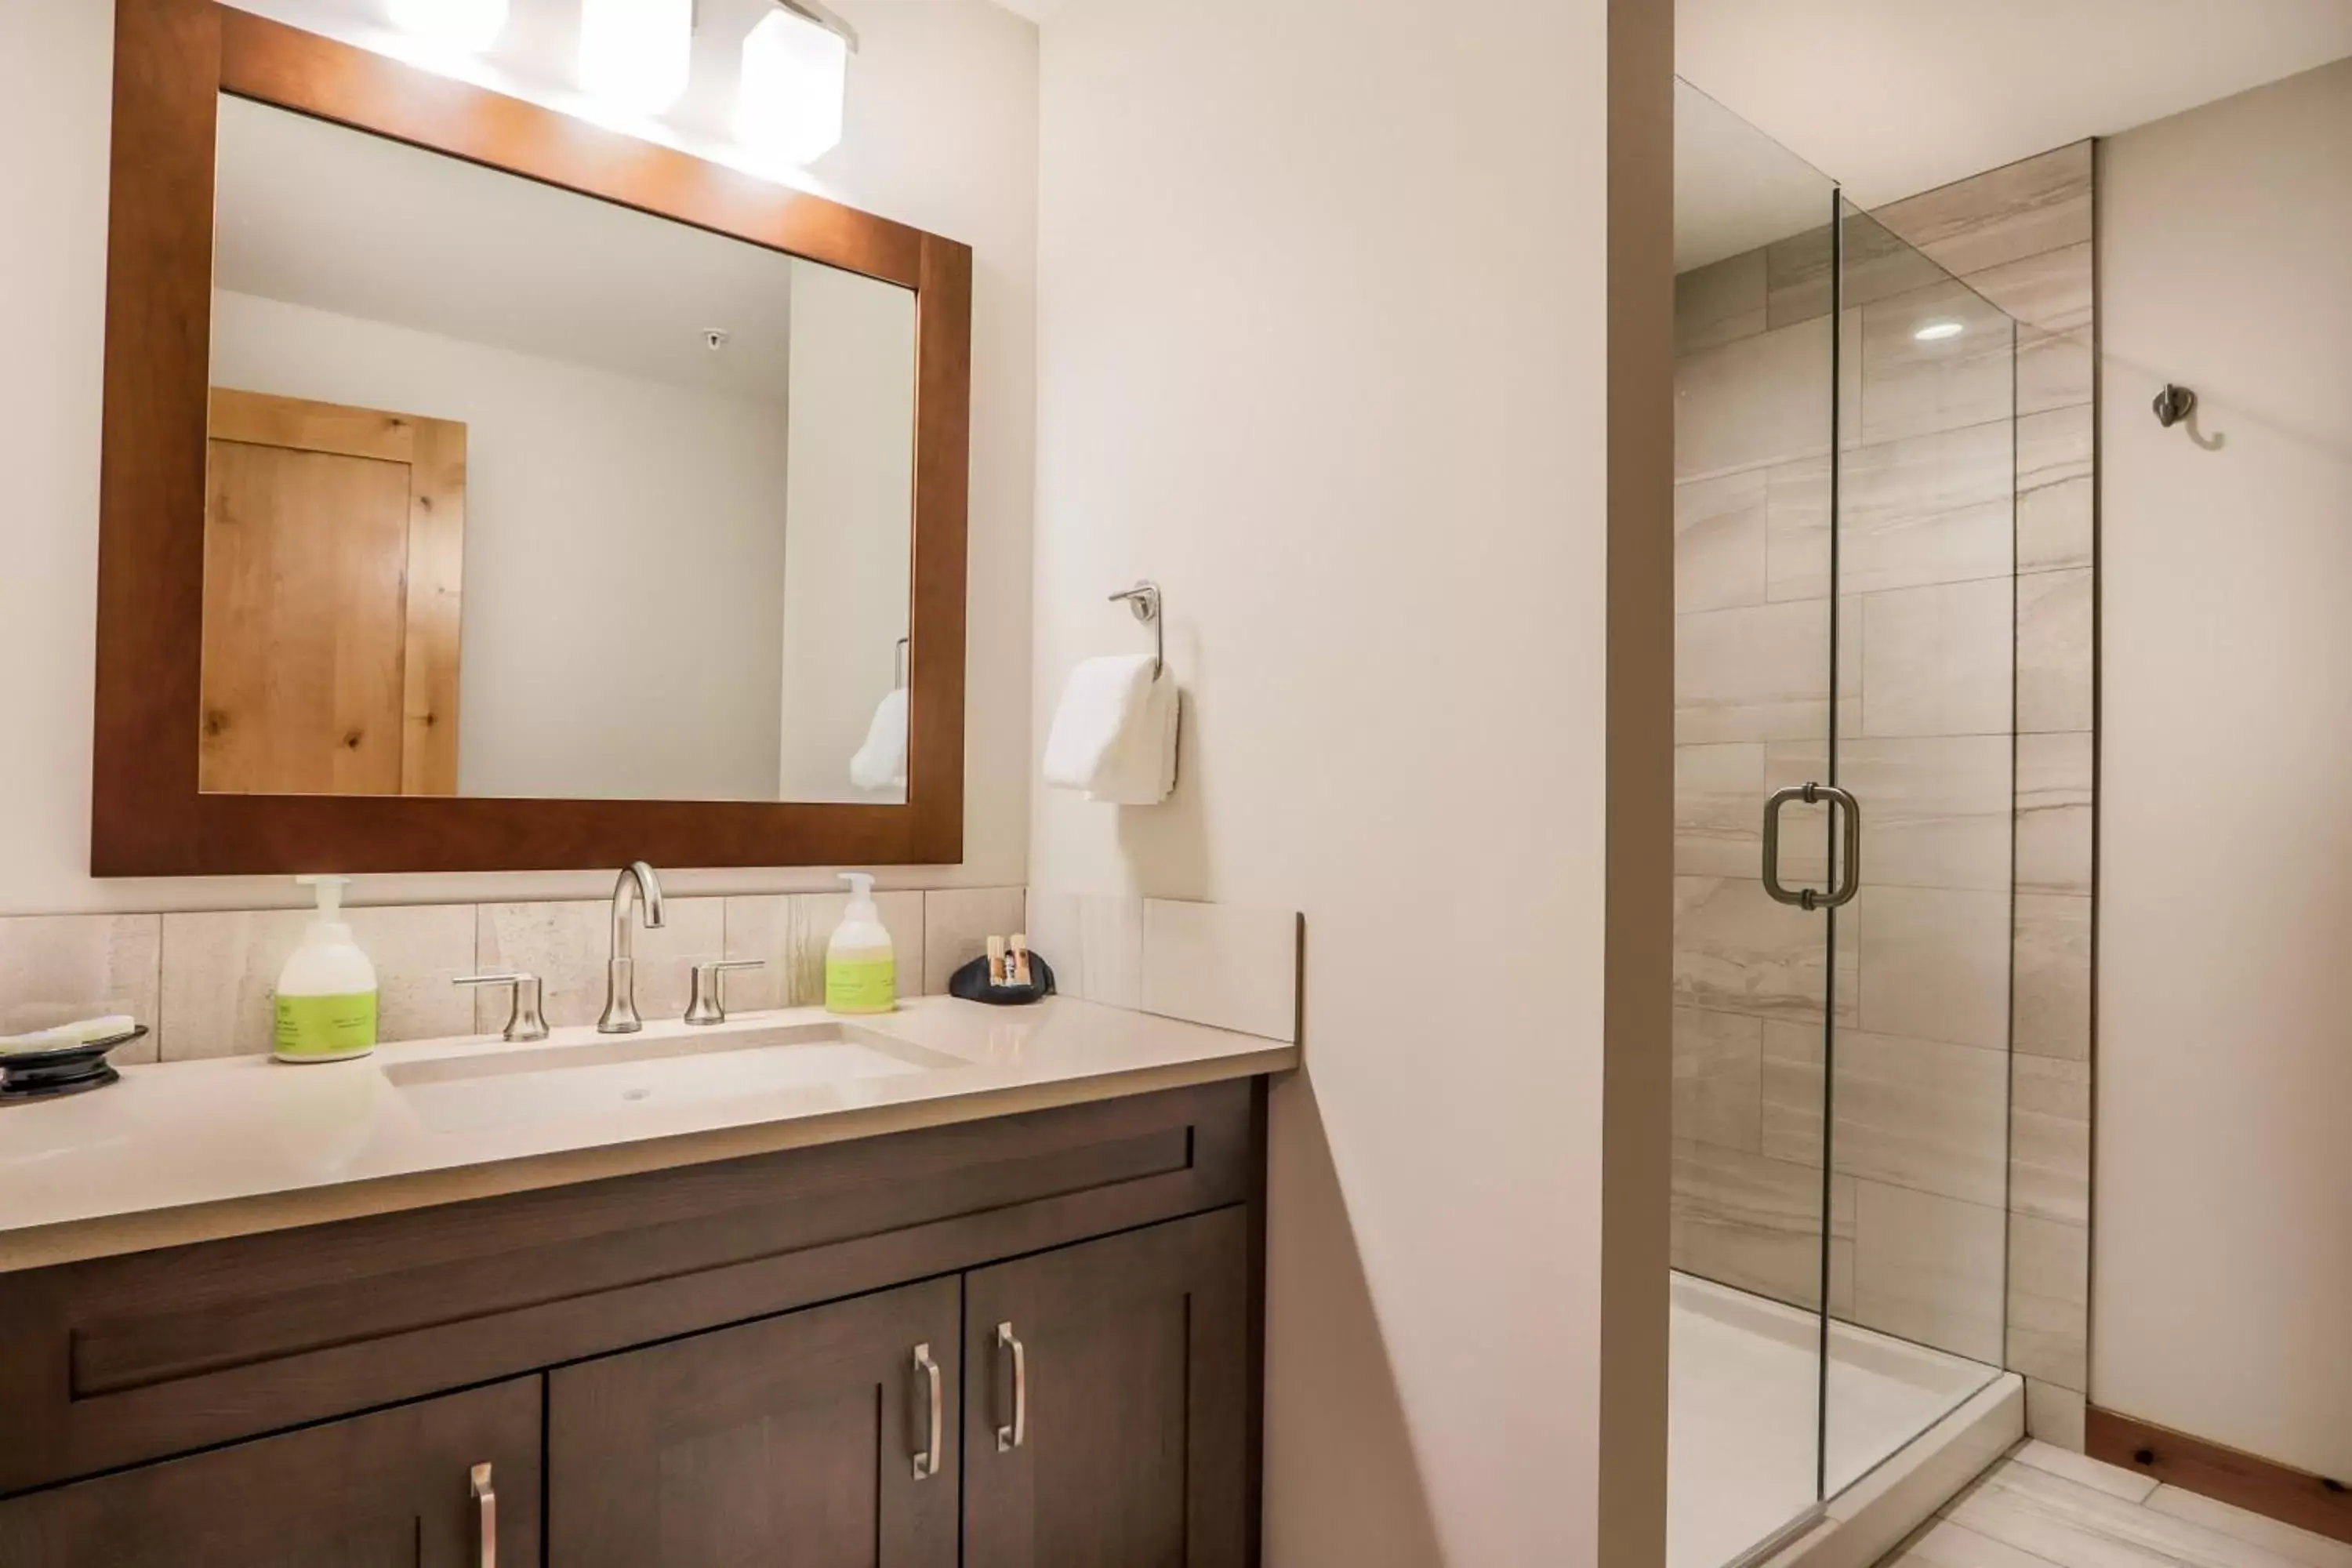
(861, 969)
(326, 992)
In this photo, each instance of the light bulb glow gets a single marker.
(795, 78)
(471, 26)
(634, 53)
(1937, 332)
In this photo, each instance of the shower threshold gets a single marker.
(1908, 1428)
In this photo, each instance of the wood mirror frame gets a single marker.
(173, 60)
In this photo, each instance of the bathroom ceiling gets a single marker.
(1893, 99)
(448, 248)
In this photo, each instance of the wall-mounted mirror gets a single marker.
(484, 489)
(515, 492)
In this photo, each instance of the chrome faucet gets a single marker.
(636, 882)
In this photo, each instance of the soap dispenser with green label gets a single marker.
(861, 969)
(326, 992)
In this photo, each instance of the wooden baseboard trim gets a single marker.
(2194, 1465)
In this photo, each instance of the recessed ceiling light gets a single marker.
(1937, 332)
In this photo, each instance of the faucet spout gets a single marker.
(637, 888)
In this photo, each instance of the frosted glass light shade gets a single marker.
(795, 76)
(634, 53)
(469, 24)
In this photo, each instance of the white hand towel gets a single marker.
(881, 762)
(1104, 699)
(1141, 770)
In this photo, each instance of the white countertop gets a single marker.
(189, 1151)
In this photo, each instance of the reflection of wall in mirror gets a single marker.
(847, 552)
(625, 546)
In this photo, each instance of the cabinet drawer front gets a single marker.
(120, 1360)
(794, 1440)
(389, 1491)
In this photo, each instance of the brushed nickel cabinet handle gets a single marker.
(485, 1505)
(1016, 1433)
(926, 1459)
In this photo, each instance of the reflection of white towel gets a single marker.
(881, 762)
(1115, 733)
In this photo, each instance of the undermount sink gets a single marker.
(619, 1073)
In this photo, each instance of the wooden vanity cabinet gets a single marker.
(713, 1366)
(393, 1490)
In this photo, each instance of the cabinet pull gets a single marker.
(485, 1505)
(1017, 1433)
(926, 1459)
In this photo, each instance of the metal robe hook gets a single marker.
(1144, 600)
(2173, 404)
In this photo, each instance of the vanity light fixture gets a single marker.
(634, 53)
(795, 78)
(1937, 332)
(470, 25)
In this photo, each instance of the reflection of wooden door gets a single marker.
(334, 546)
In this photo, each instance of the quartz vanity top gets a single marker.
(187, 1152)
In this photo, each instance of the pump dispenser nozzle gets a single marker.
(329, 891)
(861, 890)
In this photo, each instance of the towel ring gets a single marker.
(1144, 600)
(898, 664)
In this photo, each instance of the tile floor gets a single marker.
(2046, 1508)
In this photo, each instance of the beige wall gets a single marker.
(942, 133)
(2224, 1237)
(1376, 501)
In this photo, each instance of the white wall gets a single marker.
(625, 553)
(2223, 1265)
(846, 564)
(1324, 349)
(942, 133)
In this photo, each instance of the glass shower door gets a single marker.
(1914, 1068)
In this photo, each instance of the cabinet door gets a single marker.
(1109, 1415)
(390, 1490)
(791, 1440)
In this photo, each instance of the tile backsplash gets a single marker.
(55, 969)
(203, 982)
(1230, 966)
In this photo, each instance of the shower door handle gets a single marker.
(1848, 879)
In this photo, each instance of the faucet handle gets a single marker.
(524, 1021)
(709, 1004)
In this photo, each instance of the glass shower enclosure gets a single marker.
(1845, 777)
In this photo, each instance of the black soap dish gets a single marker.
(970, 982)
(61, 1070)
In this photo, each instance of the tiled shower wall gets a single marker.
(1946, 1142)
